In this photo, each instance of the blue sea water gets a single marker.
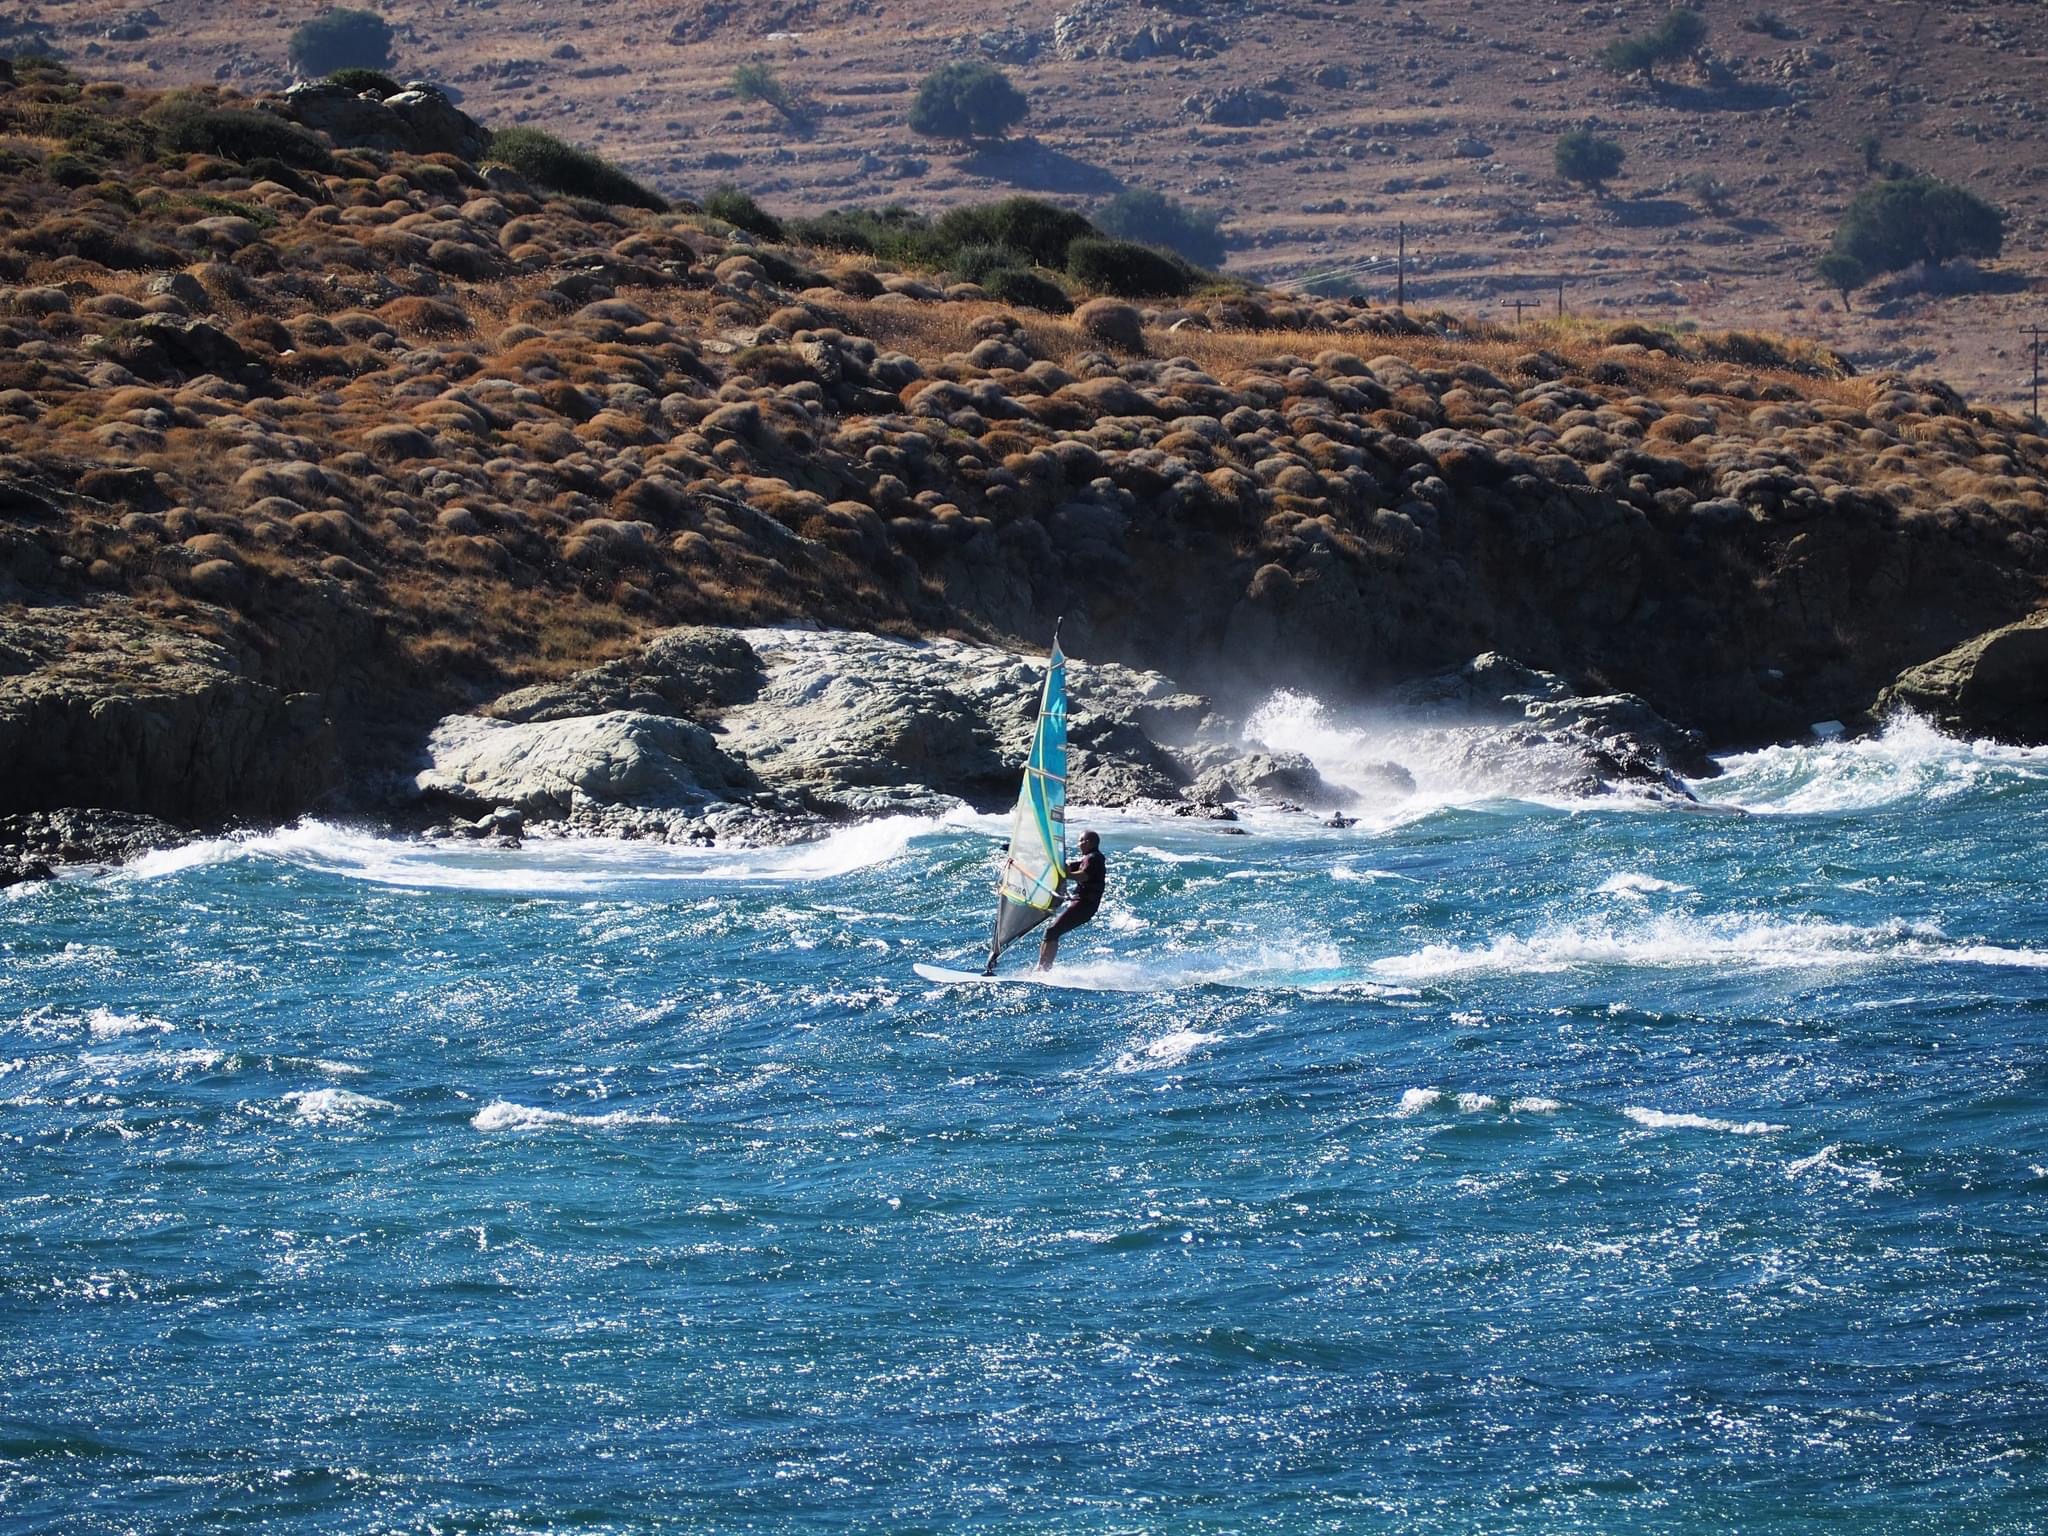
(1500, 1164)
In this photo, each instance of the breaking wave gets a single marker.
(1660, 1120)
(1910, 759)
(504, 1115)
(1675, 942)
(544, 865)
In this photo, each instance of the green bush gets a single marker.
(1152, 218)
(341, 39)
(1892, 225)
(1583, 156)
(73, 170)
(742, 212)
(893, 232)
(236, 134)
(1679, 34)
(365, 82)
(1127, 269)
(546, 161)
(973, 263)
(1042, 231)
(1028, 290)
(967, 101)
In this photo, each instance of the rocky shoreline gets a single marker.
(714, 735)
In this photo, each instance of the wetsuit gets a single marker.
(1089, 872)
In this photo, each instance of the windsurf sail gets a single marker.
(1036, 863)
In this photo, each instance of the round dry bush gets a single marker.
(426, 317)
(1118, 324)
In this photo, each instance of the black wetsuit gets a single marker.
(1088, 872)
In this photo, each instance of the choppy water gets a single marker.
(1492, 1166)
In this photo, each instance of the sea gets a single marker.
(1504, 1162)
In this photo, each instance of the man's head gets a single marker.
(1090, 842)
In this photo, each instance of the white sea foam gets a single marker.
(1633, 884)
(1167, 856)
(1417, 1101)
(504, 1115)
(334, 1106)
(1342, 871)
(1477, 1103)
(1826, 1161)
(544, 865)
(1661, 1120)
(1725, 940)
(1535, 1104)
(1169, 1050)
(1910, 759)
(106, 1024)
(1314, 968)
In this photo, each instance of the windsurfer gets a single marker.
(1088, 872)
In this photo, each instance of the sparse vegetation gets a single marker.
(546, 161)
(1843, 273)
(966, 101)
(341, 38)
(740, 210)
(1678, 36)
(1894, 224)
(758, 82)
(1152, 218)
(1584, 157)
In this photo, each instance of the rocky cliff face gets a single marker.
(1993, 685)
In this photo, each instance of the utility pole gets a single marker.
(1560, 298)
(1401, 268)
(1518, 305)
(2036, 332)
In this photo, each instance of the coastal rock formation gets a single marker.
(419, 119)
(99, 707)
(1995, 685)
(551, 768)
(748, 733)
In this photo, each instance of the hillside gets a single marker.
(298, 455)
(1338, 121)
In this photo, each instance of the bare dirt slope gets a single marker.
(1441, 115)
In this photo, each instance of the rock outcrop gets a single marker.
(101, 708)
(419, 119)
(1995, 685)
(715, 734)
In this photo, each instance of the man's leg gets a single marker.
(1049, 946)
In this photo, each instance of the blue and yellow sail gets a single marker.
(1036, 864)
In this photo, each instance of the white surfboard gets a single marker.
(1069, 979)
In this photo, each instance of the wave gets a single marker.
(1632, 884)
(1661, 1120)
(1418, 1101)
(1910, 759)
(544, 865)
(334, 1106)
(1169, 1050)
(1316, 968)
(1827, 1161)
(504, 1115)
(1676, 942)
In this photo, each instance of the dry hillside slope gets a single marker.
(298, 455)
(1315, 126)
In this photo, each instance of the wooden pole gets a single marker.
(1401, 268)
